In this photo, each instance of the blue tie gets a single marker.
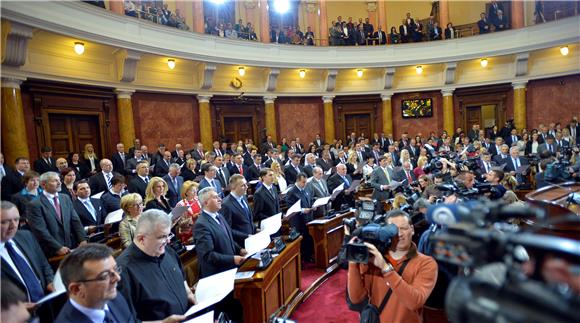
(246, 209)
(346, 183)
(30, 280)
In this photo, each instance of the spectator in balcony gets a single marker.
(299, 35)
(278, 36)
(166, 11)
(180, 20)
(360, 37)
(450, 31)
(501, 22)
(160, 18)
(130, 8)
(220, 32)
(210, 26)
(350, 24)
(368, 28)
(394, 36)
(483, 24)
(380, 36)
(239, 27)
(436, 33)
(309, 36)
(172, 22)
(250, 32)
(430, 26)
(336, 35)
(418, 34)
(410, 22)
(404, 32)
(494, 10)
(230, 32)
(349, 34)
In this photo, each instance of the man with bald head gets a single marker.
(101, 181)
(338, 178)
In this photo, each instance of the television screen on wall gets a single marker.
(417, 108)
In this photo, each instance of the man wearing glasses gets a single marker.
(153, 281)
(91, 274)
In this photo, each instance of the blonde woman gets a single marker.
(90, 158)
(187, 221)
(421, 162)
(155, 195)
(399, 201)
(405, 156)
(279, 178)
(352, 167)
(132, 206)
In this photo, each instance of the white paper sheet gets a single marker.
(337, 191)
(98, 195)
(296, 208)
(271, 224)
(287, 189)
(205, 318)
(114, 216)
(49, 297)
(328, 172)
(177, 212)
(254, 182)
(215, 286)
(321, 202)
(190, 247)
(57, 282)
(256, 242)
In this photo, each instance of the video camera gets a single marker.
(379, 235)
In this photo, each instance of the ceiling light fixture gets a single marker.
(483, 62)
(419, 69)
(79, 48)
(564, 50)
(359, 72)
(242, 70)
(171, 63)
(302, 73)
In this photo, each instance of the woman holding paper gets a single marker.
(132, 206)
(187, 221)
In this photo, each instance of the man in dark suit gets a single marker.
(45, 163)
(266, 201)
(174, 183)
(23, 262)
(138, 184)
(131, 163)
(368, 28)
(484, 165)
(359, 36)
(501, 158)
(325, 162)
(515, 161)
(483, 24)
(238, 166)
(405, 32)
(292, 169)
(494, 9)
(341, 177)
(90, 210)
(209, 179)
(53, 219)
(197, 153)
(101, 181)
(380, 36)
(136, 145)
(513, 138)
(222, 172)
(12, 181)
(381, 179)
(267, 145)
(119, 159)
(548, 147)
(574, 128)
(254, 170)
(217, 150)
(111, 199)
(309, 164)
(300, 192)
(406, 174)
(215, 247)
(236, 210)
(501, 21)
(162, 165)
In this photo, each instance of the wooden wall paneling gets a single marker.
(347, 106)
(231, 107)
(489, 95)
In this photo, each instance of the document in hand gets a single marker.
(287, 190)
(211, 290)
(98, 195)
(205, 318)
(114, 216)
(296, 208)
(394, 184)
(522, 169)
(353, 186)
(177, 212)
(256, 242)
(321, 202)
(271, 224)
(337, 191)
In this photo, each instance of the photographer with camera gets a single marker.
(395, 284)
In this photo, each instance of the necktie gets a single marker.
(221, 224)
(146, 180)
(246, 209)
(220, 172)
(409, 178)
(122, 157)
(346, 182)
(30, 280)
(109, 318)
(57, 207)
(175, 184)
(388, 176)
(90, 208)
(517, 163)
(108, 177)
(550, 148)
(514, 139)
(241, 170)
(211, 183)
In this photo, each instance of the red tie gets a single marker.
(409, 179)
(57, 207)
(241, 170)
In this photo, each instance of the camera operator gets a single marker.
(409, 289)
(495, 177)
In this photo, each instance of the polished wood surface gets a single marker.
(273, 288)
(327, 235)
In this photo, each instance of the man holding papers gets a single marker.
(266, 201)
(334, 181)
(317, 185)
(237, 211)
(216, 249)
(299, 192)
(381, 179)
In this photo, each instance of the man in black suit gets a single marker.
(494, 9)
(267, 145)
(236, 210)
(45, 163)
(300, 192)
(513, 138)
(360, 36)
(325, 162)
(119, 159)
(502, 157)
(406, 174)
(90, 210)
(501, 21)
(222, 172)
(293, 169)
(53, 219)
(309, 164)
(341, 177)
(215, 247)
(266, 201)
(380, 36)
(254, 170)
(101, 181)
(483, 24)
(238, 166)
(368, 28)
(574, 128)
(514, 162)
(174, 183)
(111, 199)
(12, 181)
(217, 150)
(23, 262)
(484, 165)
(198, 153)
(136, 145)
(138, 184)
(162, 165)
(131, 163)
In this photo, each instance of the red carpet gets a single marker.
(309, 274)
(327, 304)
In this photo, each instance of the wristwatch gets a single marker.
(388, 269)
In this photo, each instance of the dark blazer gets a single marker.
(438, 36)
(204, 183)
(41, 166)
(161, 168)
(290, 173)
(52, 233)
(30, 248)
(265, 205)
(196, 155)
(215, 247)
(235, 170)
(483, 26)
(325, 165)
(118, 307)
(510, 142)
(172, 195)
(378, 178)
(225, 179)
(21, 202)
(383, 37)
(499, 160)
(86, 217)
(111, 202)
(11, 183)
(154, 204)
(137, 185)
(118, 163)
(510, 167)
(335, 180)
(98, 183)
(241, 223)
(253, 173)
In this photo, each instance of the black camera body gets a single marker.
(379, 235)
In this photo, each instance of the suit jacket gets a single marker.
(111, 202)
(510, 142)
(41, 166)
(215, 246)
(117, 306)
(510, 167)
(305, 198)
(31, 250)
(235, 170)
(253, 173)
(52, 233)
(11, 183)
(379, 178)
(290, 173)
(225, 178)
(98, 183)
(544, 147)
(319, 188)
(242, 224)
(308, 169)
(360, 38)
(130, 166)
(401, 176)
(265, 205)
(483, 26)
(161, 168)
(204, 183)
(172, 195)
(438, 35)
(325, 165)
(383, 37)
(499, 160)
(118, 163)
(335, 180)
(86, 217)
(195, 154)
(137, 185)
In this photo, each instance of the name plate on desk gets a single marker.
(265, 259)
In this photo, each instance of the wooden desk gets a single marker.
(274, 287)
(327, 235)
(190, 266)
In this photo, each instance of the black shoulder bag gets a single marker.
(369, 313)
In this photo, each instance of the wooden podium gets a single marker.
(272, 288)
(327, 235)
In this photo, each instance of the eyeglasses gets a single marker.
(166, 236)
(105, 275)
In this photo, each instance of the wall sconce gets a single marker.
(302, 73)
(419, 69)
(79, 48)
(483, 62)
(359, 73)
(171, 63)
(242, 70)
(564, 50)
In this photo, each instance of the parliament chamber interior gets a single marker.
(290, 161)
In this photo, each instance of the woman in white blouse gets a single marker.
(279, 176)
